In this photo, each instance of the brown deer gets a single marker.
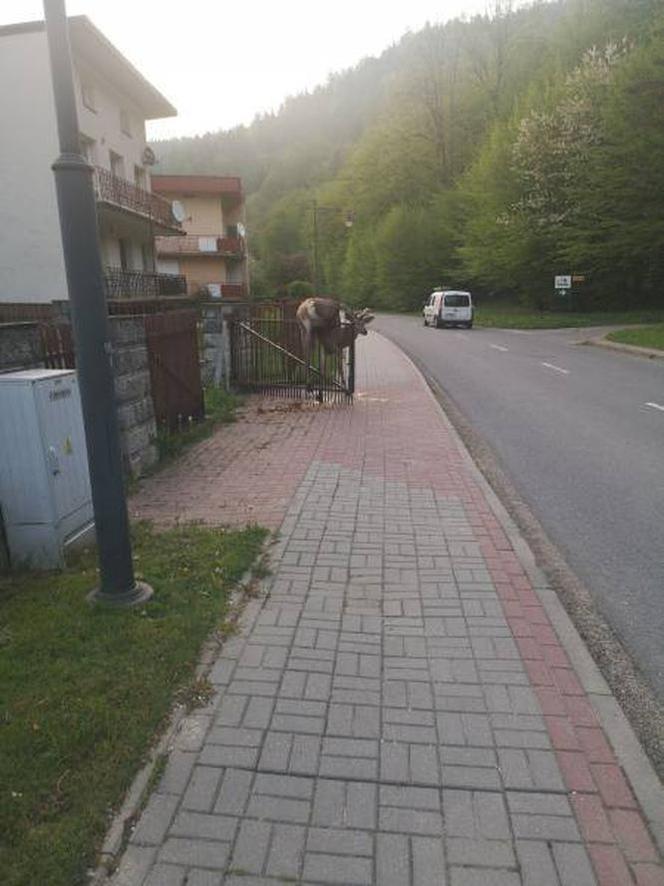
(319, 320)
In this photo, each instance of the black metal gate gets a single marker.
(267, 357)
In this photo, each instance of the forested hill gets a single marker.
(491, 153)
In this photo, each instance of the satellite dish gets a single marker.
(148, 157)
(178, 210)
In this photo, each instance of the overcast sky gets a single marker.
(222, 63)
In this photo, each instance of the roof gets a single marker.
(89, 45)
(230, 185)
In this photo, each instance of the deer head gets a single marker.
(320, 319)
(359, 320)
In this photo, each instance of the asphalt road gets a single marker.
(580, 433)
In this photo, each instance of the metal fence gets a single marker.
(267, 356)
(119, 284)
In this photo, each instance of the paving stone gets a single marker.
(166, 875)
(251, 847)
(134, 865)
(573, 865)
(196, 853)
(286, 854)
(537, 866)
(338, 869)
(339, 842)
(203, 878)
(203, 826)
(482, 877)
(393, 860)
(234, 792)
(155, 820)
(428, 862)
(480, 853)
(202, 789)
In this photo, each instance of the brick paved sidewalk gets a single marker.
(399, 709)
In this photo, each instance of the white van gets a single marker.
(449, 307)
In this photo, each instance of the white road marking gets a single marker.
(655, 406)
(499, 348)
(556, 368)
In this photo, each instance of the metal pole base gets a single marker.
(140, 593)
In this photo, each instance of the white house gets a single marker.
(114, 100)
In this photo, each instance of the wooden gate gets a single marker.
(57, 345)
(175, 372)
(267, 357)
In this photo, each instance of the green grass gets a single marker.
(648, 337)
(514, 317)
(83, 690)
(220, 408)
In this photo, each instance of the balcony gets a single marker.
(116, 191)
(234, 290)
(227, 247)
(142, 284)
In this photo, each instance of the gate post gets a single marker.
(351, 368)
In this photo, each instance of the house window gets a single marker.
(117, 164)
(140, 178)
(88, 149)
(88, 96)
(125, 121)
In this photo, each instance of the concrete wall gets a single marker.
(138, 429)
(201, 270)
(20, 346)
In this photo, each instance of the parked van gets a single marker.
(449, 307)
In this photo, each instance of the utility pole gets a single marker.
(315, 211)
(80, 242)
(348, 223)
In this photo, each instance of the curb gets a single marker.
(648, 353)
(629, 752)
(239, 612)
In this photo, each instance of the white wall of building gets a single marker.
(31, 263)
(103, 124)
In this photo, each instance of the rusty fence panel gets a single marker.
(267, 357)
(175, 372)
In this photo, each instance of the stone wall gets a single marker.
(20, 346)
(138, 429)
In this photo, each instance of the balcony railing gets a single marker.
(142, 284)
(120, 192)
(233, 290)
(201, 245)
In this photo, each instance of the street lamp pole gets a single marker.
(80, 242)
(315, 210)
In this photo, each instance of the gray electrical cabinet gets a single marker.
(44, 480)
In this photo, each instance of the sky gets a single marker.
(223, 63)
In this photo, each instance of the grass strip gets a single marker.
(647, 337)
(83, 691)
(507, 317)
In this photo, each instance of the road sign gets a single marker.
(563, 281)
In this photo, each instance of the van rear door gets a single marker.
(457, 307)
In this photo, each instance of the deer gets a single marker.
(319, 320)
